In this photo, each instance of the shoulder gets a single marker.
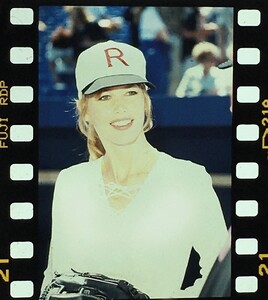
(195, 70)
(189, 182)
(185, 174)
(81, 167)
(181, 165)
(78, 172)
(192, 180)
(215, 71)
(82, 177)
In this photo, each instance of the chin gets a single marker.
(126, 139)
(125, 142)
(122, 138)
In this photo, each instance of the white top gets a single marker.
(150, 24)
(195, 83)
(149, 242)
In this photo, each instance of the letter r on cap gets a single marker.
(118, 56)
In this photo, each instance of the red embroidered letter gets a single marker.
(119, 56)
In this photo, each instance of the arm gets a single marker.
(57, 231)
(163, 36)
(183, 85)
(210, 231)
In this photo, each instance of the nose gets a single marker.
(119, 105)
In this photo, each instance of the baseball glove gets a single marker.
(87, 286)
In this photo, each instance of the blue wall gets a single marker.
(198, 129)
(167, 111)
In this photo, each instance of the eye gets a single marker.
(131, 92)
(104, 98)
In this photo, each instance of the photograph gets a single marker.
(133, 149)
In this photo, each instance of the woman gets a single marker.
(204, 78)
(131, 212)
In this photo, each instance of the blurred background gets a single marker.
(191, 104)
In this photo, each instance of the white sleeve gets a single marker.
(183, 85)
(211, 231)
(59, 226)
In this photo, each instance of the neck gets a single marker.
(206, 70)
(128, 164)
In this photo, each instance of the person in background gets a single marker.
(86, 32)
(155, 44)
(66, 43)
(60, 56)
(132, 16)
(204, 78)
(102, 16)
(197, 27)
(221, 19)
(189, 32)
(172, 17)
(97, 12)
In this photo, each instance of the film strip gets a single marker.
(19, 148)
(249, 156)
(19, 152)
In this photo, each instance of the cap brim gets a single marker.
(225, 64)
(115, 80)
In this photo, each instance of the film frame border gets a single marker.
(19, 176)
(19, 150)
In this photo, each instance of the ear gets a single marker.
(87, 119)
(87, 122)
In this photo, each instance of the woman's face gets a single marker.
(117, 114)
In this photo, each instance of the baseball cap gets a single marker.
(108, 64)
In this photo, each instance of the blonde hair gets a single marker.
(94, 144)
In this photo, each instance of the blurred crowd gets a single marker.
(182, 45)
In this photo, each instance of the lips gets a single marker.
(122, 124)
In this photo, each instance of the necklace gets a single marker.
(118, 195)
(115, 190)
